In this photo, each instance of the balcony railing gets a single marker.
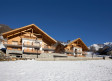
(34, 45)
(32, 51)
(49, 48)
(39, 38)
(79, 52)
(14, 51)
(18, 44)
(29, 37)
(84, 53)
(69, 51)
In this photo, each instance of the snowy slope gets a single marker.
(100, 70)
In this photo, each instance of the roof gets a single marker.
(35, 28)
(84, 46)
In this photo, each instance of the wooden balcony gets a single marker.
(79, 55)
(18, 44)
(79, 52)
(32, 45)
(69, 51)
(84, 53)
(49, 48)
(39, 38)
(29, 37)
(33, 51)
(14, 51)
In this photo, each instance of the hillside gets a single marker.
(4, 28)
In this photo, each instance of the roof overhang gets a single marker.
(35, 28)
(85, 48)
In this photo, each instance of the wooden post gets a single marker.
(30, 34)
(42, 37)
(21, 35)
(32, 31)
(7, 38)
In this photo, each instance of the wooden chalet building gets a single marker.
(28, 42)
(76, 48)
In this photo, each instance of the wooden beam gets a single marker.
(13, 34)
(36, 34)
(30, 34)
(18, 32)
(7, 38)
(26, 30)
(32, 31)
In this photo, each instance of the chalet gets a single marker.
(28, 42)
(76, 48)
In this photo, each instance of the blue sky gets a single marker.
(90, 20)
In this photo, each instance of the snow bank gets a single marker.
(31, 70)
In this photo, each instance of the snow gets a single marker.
(98, 46)
(31, 70)
(108, 43)
(1, 45)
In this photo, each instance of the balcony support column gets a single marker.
(74, 51)
(41, 46)
(81, 51)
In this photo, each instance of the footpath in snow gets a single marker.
(31, 70)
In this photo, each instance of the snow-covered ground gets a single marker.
(94, 70)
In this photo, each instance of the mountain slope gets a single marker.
(96, 47)
(4, 28)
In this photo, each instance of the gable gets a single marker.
(30, 28)
(80, 43)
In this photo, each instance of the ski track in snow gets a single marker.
(31, 70)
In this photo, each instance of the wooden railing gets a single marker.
(39, 38)
(14, 49)
(49, 47)
(69, 51)
(84, 53)
(32, 44)
(29, 37)
(12, 43)
(79, 52)
(33, 51)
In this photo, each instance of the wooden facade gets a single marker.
(28, 40)
(76, 48)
